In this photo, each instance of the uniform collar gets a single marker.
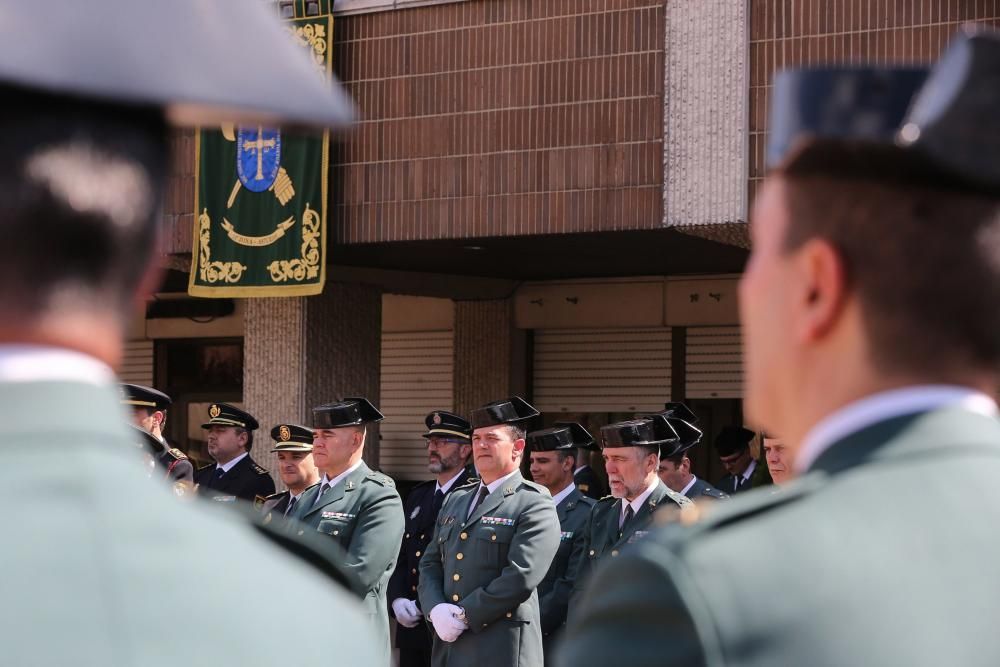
(450, 483)
(40, 363)
(231, 464)
(562, 495)
(333, 482)
(638, 501)
(694, 479)
(883, 406)
(496, 484)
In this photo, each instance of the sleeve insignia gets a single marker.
(257, 469)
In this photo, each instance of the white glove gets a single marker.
(446, 624)
(406, 612)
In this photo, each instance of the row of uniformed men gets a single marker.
(490, 563)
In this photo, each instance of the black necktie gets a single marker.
(437, 502)
(219, 472)
(483, 492)
(291, 504)
(628, 517)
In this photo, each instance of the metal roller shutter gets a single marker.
(602, 370)
(137, 364)
(416, 379)
(714, 363)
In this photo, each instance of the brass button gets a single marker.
(407, 536)
(418, 554)
(421, 537)
(413, 587)
(456, 577)
(591, 552)
(459, 556)
(493, 537)
(454, 598)
(464, 536)
(615, 552)
(336, 532)
(413, 571)
(300, 532)
(509, 615)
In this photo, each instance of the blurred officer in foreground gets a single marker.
(234, 475)
(149, 412)
(871, 315)
(293, 445)
(356, 507)
(449, 445)
(103, 554)
(492, 545)
(553, 457)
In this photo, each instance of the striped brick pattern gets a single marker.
(787, 33)
(501, 117)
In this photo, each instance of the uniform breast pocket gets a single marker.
(493, 546)
(338, 529)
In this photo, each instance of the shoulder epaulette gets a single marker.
(468, 484)
(586, 500)
(177, 454)
(536, 487)
(607, 497)
(424, 483)
(275, 495)
(379, 478)
(257, 469)
(710, 515)
(206, 467)
(714, 493)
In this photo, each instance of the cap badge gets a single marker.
(285, 433)
(214, 411)
(436, 419)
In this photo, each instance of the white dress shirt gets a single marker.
(41, 363)
(333, 482)
(491, 487)
(226, 467)
(637, 501)
(562, 495)
(450, 483)
(694, 478)
(887, 405)
(749, 471)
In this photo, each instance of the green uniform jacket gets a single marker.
(110, 556)
(490, 564)
(555, 589)
(884, 553)
(363, 514)
(602, 541)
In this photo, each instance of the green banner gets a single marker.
(261, 199)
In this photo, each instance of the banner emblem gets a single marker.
(258, 153)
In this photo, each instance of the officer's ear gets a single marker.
(160, 416)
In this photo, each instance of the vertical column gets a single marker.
(301, 352)
(705, 113)
(485, 350)
(273, 382)
(343, 340)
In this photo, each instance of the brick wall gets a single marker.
(501, 117)
(787, 33)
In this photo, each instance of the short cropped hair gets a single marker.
(80, 193)
(924, 264)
